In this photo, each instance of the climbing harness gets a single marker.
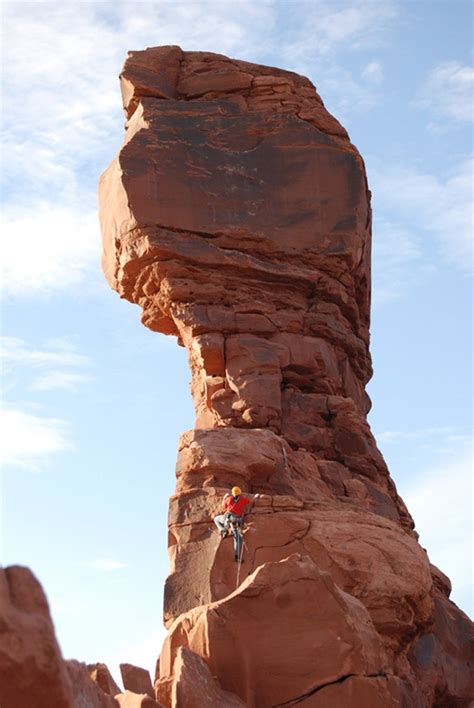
(235, 524)
(234, 527)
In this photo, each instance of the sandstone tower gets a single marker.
(237, 215)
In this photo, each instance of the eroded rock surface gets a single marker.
(237, 215)
(136, 679)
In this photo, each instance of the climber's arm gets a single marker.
(249, 507)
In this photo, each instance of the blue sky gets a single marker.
(93, 403)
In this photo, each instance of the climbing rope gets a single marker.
(243, 545)
(235, 529)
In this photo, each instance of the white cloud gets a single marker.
(440, 441)
(48, 248)
(440, 500)
(373, 73)
(108, 564)
(333, 26)
(344, 94)
(59, 366)
(16, 352)
(330, 30)
(28, 440)
(448, 92)
(60, 380)
(423, 219)
(390, 436)
(397, 257)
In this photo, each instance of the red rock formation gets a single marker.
(28, 648)
(237, 215)
(101, 675)
(136, 679)
(33, 673)
(128, 699)
(194, 687)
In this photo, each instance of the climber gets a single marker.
(235, 505)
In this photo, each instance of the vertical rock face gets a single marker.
(237, 215)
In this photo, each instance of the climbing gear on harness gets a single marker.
(235, 525)
(236, 491)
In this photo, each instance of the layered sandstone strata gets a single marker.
(237, 215)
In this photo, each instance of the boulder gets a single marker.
(129, 699)
(136, 679)
(32, 670)
(86, 693)
(194, 687)
(104, 679)
(310, 634)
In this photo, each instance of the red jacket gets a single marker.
(236, 505)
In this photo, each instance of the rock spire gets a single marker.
(237, 215)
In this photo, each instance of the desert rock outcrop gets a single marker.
(136, 679)
(237, 215)
(33, 673)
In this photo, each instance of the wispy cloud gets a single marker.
(108, 565)
(57, 366)
(448, 93)
(373, 73)
(345, 93)
(446, 439)
(332, 31)
(28, 440)
(397, 254)
(60, 380)
(16, 352)
(330, 27)
(440, 500)
(422, 219)
(395, 435)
